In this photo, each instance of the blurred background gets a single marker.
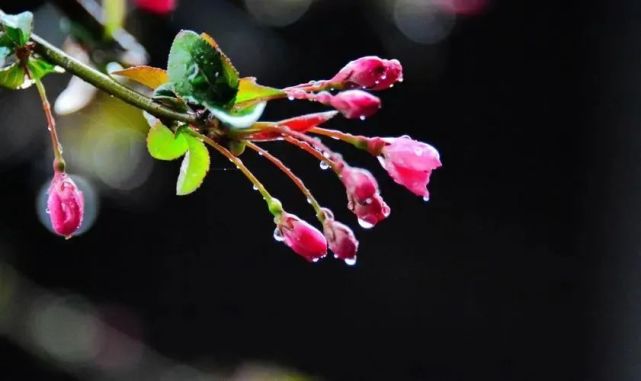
(525, 264)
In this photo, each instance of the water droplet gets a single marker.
(392, 85)
(400, 80)
(368, 201)
(364, 224)
(426, 198)
(324, 165)
(255, 187)
(381, 160)
(290, 97)
(260, 153)
(278, 235)
(350, 261)
(309, 200)
(47, 211)
(377, 82)
(383, 77)
(326, 155)
(315, 260)
(362, 117)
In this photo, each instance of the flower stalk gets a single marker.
(320, 213)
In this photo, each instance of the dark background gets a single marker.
(523, 266)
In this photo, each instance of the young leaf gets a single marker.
(239, 119)
(162, 144)
(39, 67)
(17, 27)
(149, 76)
(250, 92)
(200, 73)
(194, 166)
(12, 77)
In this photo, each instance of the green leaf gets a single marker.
(18, 27)
(13, 77)
(162, 144)
(250, 92)
(194, 166)
(39, 67)
(239, 119)
(200, 73)
(165, 95)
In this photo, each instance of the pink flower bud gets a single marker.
(352, 103)
(65, 205)
(300, 236)
(410, 163)
(157, 6)
(363, 196)
(341, 240)
(371, 72)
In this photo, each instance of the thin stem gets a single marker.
(311, 87)
(335, 160)
(312, 151)
(272, 203)
(320, 214)
(59, 162)
(106, 83)
(335, 134)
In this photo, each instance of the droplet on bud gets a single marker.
(426, 198)
(324, 165)
(364, 224)
(362, 117)
(350, 261)
(278, 235)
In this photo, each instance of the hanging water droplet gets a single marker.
(362, 117)
(315, 260)
(324, 165)
(426, 198)
(278, 235)
(392, 85)
(260, 153)
(350, 261)
(309, 200)
(255, 187)
(47, 211)
(290, 97)
(364, 224)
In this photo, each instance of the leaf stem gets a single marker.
(106, 83)
(320, 214)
